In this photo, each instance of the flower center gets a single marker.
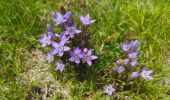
(109, 89)
(76, 57)
(87, 20)
(70, 30)
(60, 48)
(145, 74)
(87, 57)
(132, 56)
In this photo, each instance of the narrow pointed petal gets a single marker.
(92, 21)
(150, 71)
(77, 61)
(150, 78)
(62, 42)
(87, 16)
(81, 18)
(89, 52)
(89, 63)
(55, 44)
(61, 54)
(94, 57)
(44, 45)
(55, 20)
(55, 51)
(77, 31)
(66, 33)
(66, 48)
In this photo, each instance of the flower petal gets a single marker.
(77, 31)
(44, 45)
(89, 63)
(150, 72)
(81, 19)
(60, 54)
(55, 51)
(66, 48)
(89, 52)
(71, 59)
(55, 44)
(92, 21)
(93, 57)
(77, 61)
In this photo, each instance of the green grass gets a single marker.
(117, 20)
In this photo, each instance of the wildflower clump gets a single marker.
(71, 44)
(128, 69)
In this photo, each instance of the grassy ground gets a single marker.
(25, 75)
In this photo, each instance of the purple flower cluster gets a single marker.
(63, 43)
(127, 66)
(131, 49)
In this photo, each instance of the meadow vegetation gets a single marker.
(24, 74)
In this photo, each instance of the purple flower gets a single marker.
(59, 48)
(58, 18)
(135, 45)
(134, 64)
(45, 40)
(134, 75)
(118, 62)
(121, 69)
(126, 46)
(126, 61)
(69, 17)
(109, 89)
(50, 57)
(64, 39)
(76, 55)
(88, 57)
(86, 20)
(59, 66)
(71, 31)
(133, 55)
(146, 74)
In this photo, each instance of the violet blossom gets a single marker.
(135, 45)
(60, 66)
(109, 89)
(49, 58)
(121, 69)
(71, 31)
(118, 62)
(58, 18)
(59, 48)
(126, 61)
(69, 17)
(133, 55)
(86, 20)
(134, 75)
(126, 46)
(134, 64)
(45, 40)
(88, 57)
(76, 55)
(146, 74)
